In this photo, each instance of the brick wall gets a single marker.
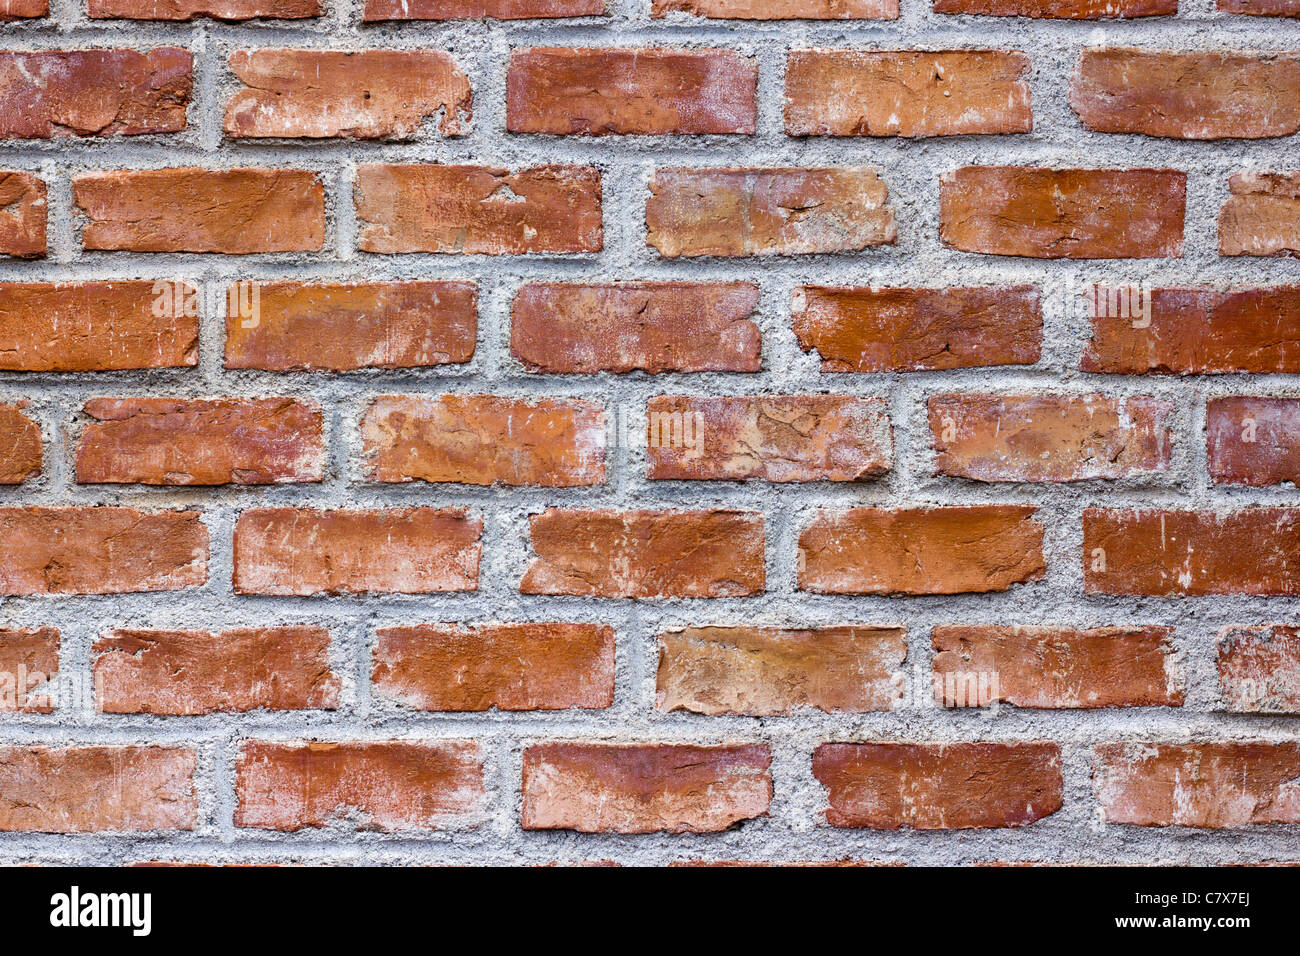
(676, 432)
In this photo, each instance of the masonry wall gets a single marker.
(649, 435)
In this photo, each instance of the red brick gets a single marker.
(1055, 667)
(480, 9)
(29, 658)
(369, 94)
(101, 550)
(23, 9)
(909, 93)
(225, 441)
(648, 326)
(478, 209)
(1209, 785)
(20, 445)
(339, 327)
(780, 9)
(1202, 331)
(772, 437)
(144, 671)
(1261, 8)
(191, 9)
(366, 785)
(961, 786)
(762, 671)
(597, 91)
(1060, 9)
(508, 666)
(1167, 553)
(644, 788)
(1049, 437)
(646, 554)
(236, 211)
(1259, 669)
(22, 215)
(1063, 213)
(1253, 440)
(94, 327)
(96, 789)
(1262, 216)
(921, 550)
(865, 329)
(401, 551)
(485, 440)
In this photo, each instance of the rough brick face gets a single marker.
(939, 786)
(29, 658)
(644, 788)
(20, 445)
(508, 666)
(649, 91)
(1060, 9)
(476, 9)
(1253, 440)
(780, 9)
(1262, 216)
(1259, 669)
(906, 93)
(193, 9)
(1261, 8)
(485, 440)
(23, 9)
(22, 215)
(371, 94)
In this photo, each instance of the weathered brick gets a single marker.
(23, 9)
(150, 671)
(368, 94)
(780, 9)
(1209, 785)
(192, 9)
(1049, 437)
(1259, 669)
(767, 212)
(909, 93)
(93, 327)
(29, 658)
(772, 437)
(339, 327)
(547, 666)
(22, 215)
(480, 9)
(960, 786)
(1262, 216)
(1055, 667)
(865, 329)
(225, 441)
(238, 211)
(646, 554)
(1261, 8)
(478, 209)
(101, 550)
(644, 788)
(485, 440)
(921, 550)
(20, 445)
(402, 551)
(648, 326)
(1063, 213)
(1253, 440)
(96, 789)
(368, 785)
(1166, 553)
(597, 91)
(761, 671)
(1060, 9)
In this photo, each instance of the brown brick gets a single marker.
(1253, 440)
(960, 786)
(22, 215)
(1055, 667)
(1262, 216)
(1211, 785)
(597, 91)
(368, 785)
(485, 440)
(144, 671)
(401, 551)
(909, 93)
(480, 9)
(921, 550)
(1049, 437)
(96, 789)
(646, 554)
(780, 9)
(236, 211)
(23, 9)
(648, 326)
(1259, 669)
(1060, 9)
(192, 9)
(101, 550)
(508, 666)
(20, 445)
(225, 441)
(1063, 213)
(772, 437)
(1261, 8)
(644, 788)
(478, 209)
(1166, 553)
(762, 671)
(369, 94)
(767, 212)
(29, 658)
